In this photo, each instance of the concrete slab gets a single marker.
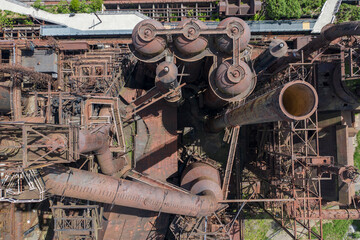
(327, 15)
(79, 21)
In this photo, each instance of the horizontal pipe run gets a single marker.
(256, 200)
(86, 185)
(296, 100)
(336, 214)
(329, 33)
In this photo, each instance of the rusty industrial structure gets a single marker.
(176, 131)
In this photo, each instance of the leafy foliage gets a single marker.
(311, 7)
(348, 12)
(76, 6)
(357, 153)
(9, 19)
(291, 9)
(5, 20)
(96, 5)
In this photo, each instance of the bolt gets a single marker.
(234, 30)
(281, 45)
(191, 31)
(147, 32)
(235, 73)
(166, 69)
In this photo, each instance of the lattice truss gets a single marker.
(96, 71)
(286, 160)
(76, 221)
(22, 187)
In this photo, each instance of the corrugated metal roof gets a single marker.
(58, 31)
(267, 26)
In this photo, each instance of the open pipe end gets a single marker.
(298, 100)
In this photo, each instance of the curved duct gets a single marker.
(98, 142)
(86, 185)
(295, 100)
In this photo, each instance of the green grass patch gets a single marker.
(348, 12)
(357, 152)
(334, 230)
(257, 229)
(75, 6)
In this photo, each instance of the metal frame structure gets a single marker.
(76, 221)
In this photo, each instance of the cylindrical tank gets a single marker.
(233, 80)
(277, 49)
(145, 40)
(191, 42)
(229, 83)
(296, 100)
(235, 27)
(166, 80)
(166, 75)
(4, 100)
(211, 100)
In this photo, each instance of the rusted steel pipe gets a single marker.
(98, 142)
(4, 100)
(101, 188)
(337, 214)
(328, 34)
(295, 100)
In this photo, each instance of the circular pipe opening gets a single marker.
(298, 100)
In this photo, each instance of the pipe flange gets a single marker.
(147, 32)
(191, 30)
(234, 29)
(235, 74)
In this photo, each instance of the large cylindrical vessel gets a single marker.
(233, 80)
(229, 83)
(166, 80)
(235, 27)
(145, 40)
(296, 100)
(101, 188)
(191, 42)
(277, 49)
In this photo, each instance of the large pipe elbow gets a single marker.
(98, 143)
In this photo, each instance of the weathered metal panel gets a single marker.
(40, 60)
(73, 45)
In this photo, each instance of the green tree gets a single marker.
(63, 7)
(74, 5)
(37, 4)
(283, 9)
(293, 9)
(276, 9)
(348, 12)
(96, 5)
